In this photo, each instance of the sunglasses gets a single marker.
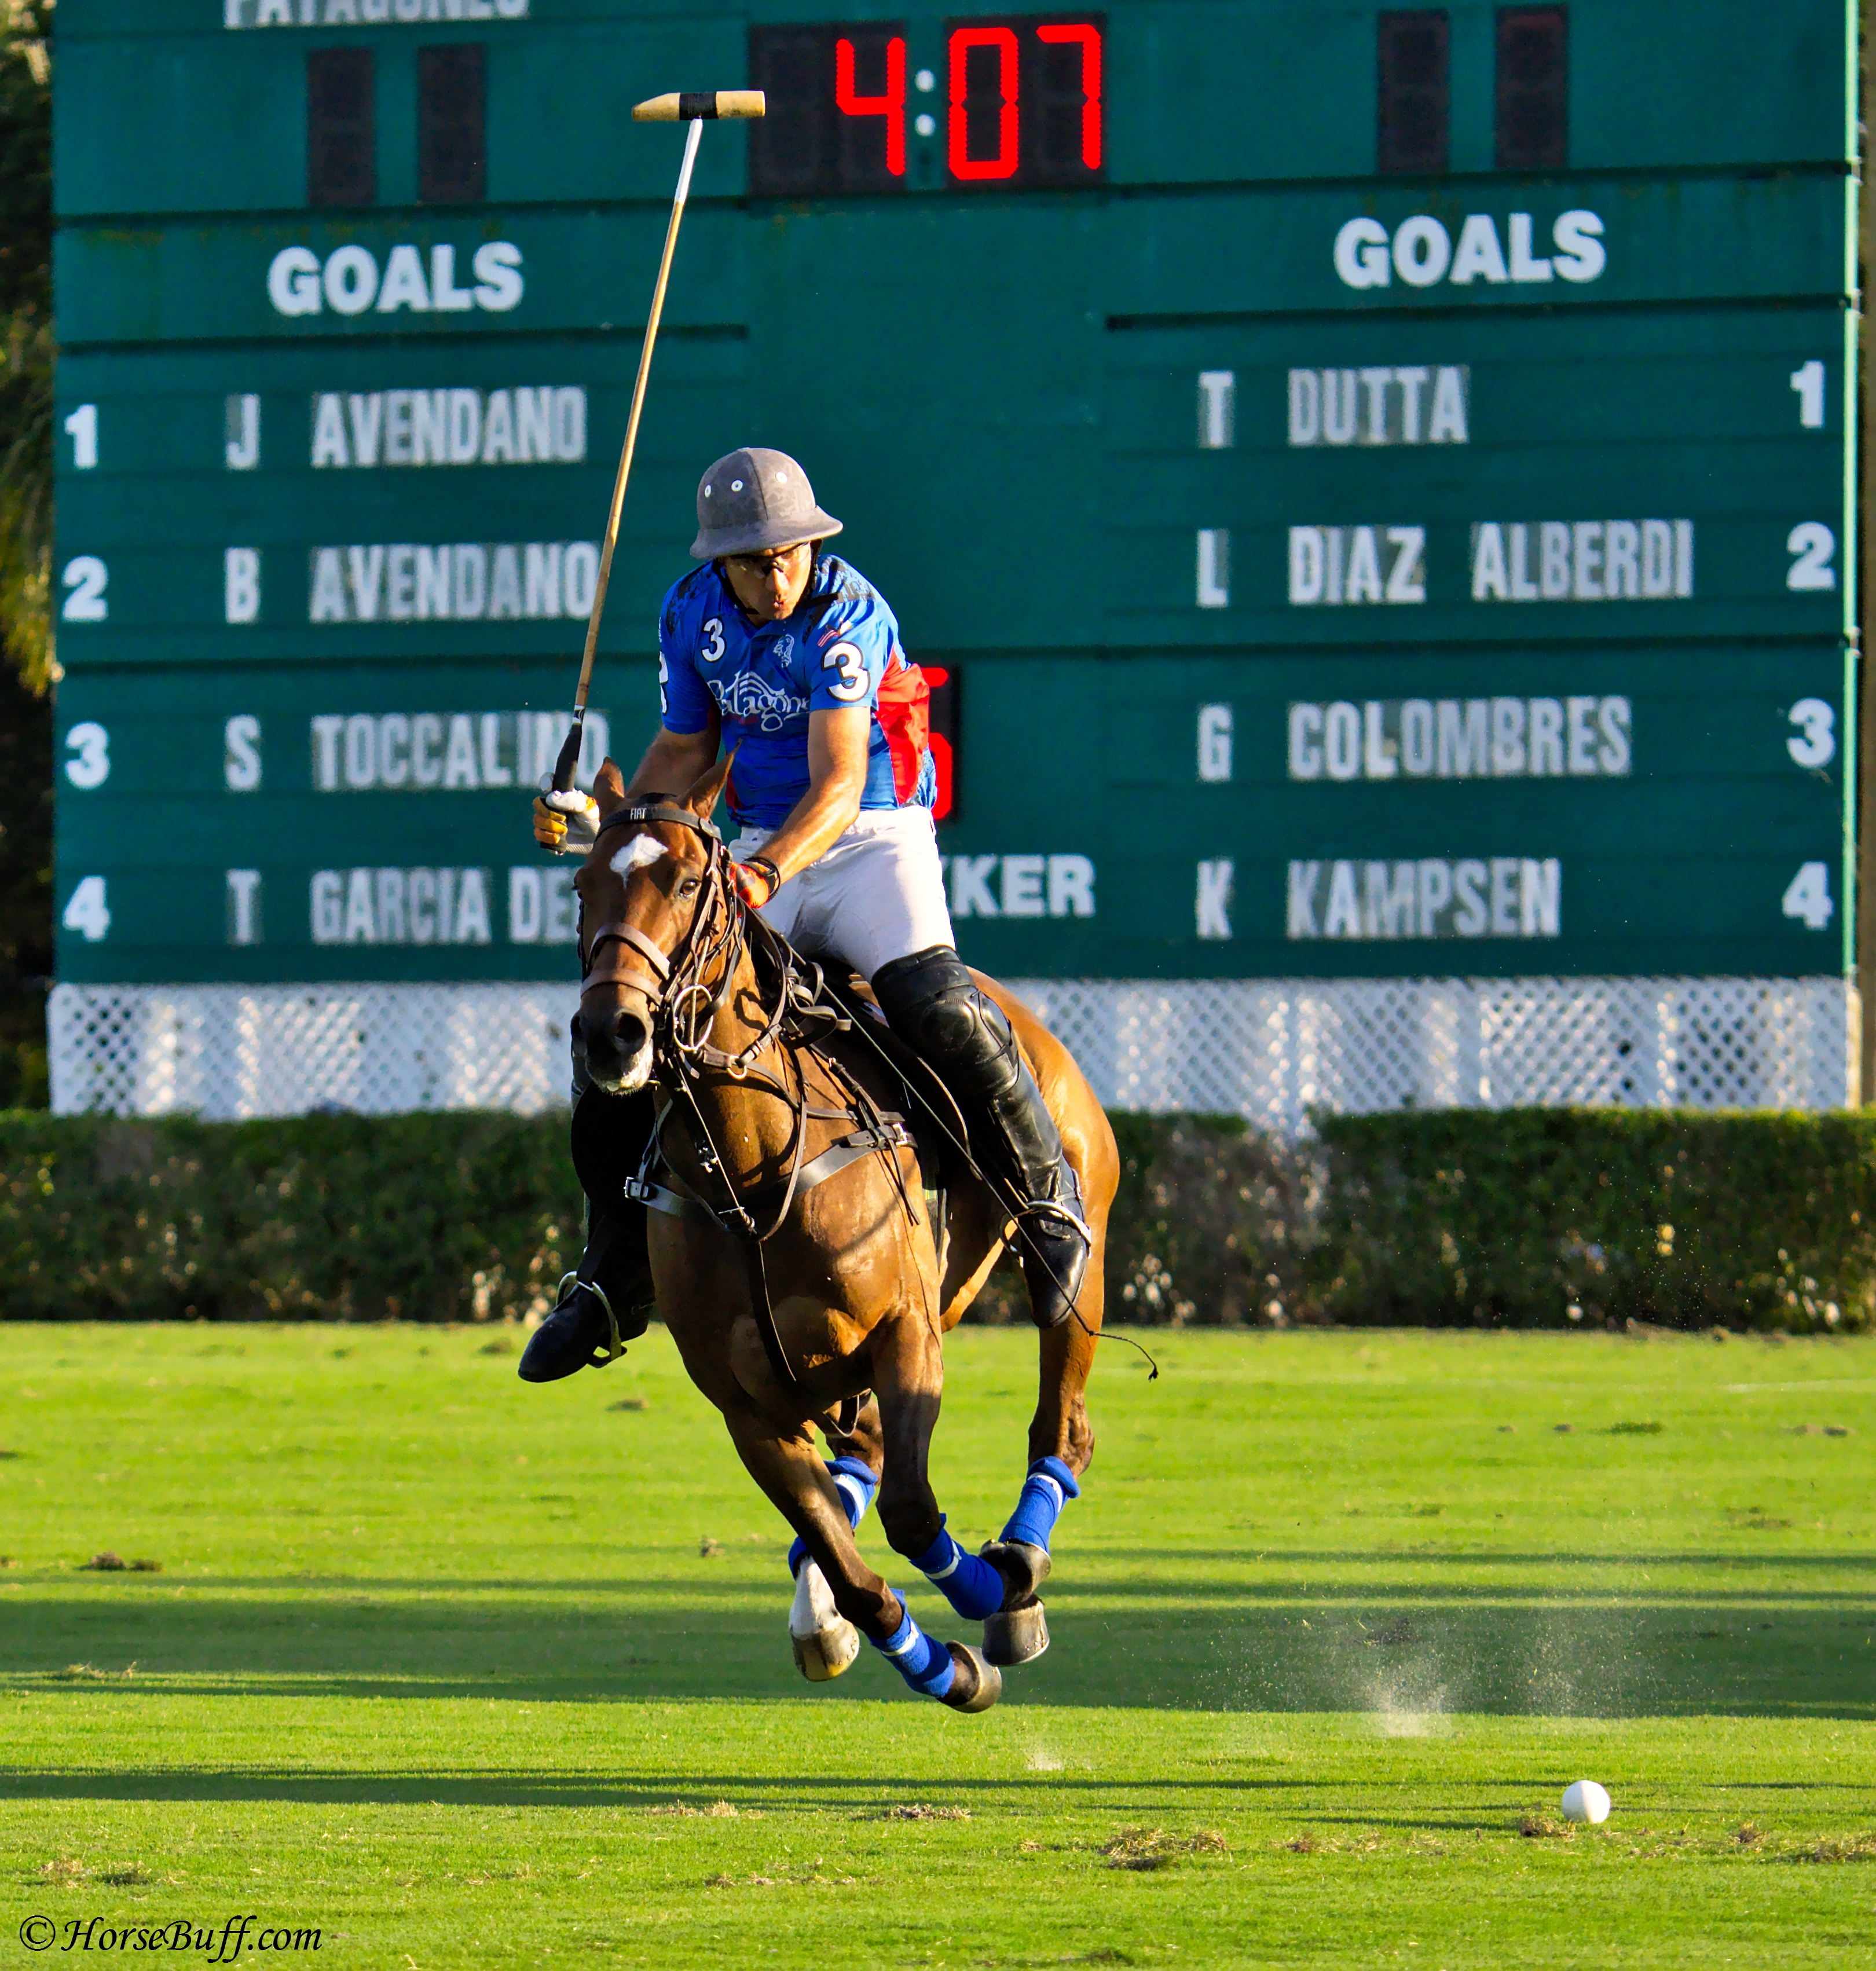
(764, 566)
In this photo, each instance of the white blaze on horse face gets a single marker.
(638, 853)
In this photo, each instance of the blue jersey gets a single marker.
(839, 649)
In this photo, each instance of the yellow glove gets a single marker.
(569, 823)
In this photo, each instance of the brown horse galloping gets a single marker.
(804, 1273)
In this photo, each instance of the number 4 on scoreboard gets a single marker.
(87, 911)
(1808, 897)
(891, 105)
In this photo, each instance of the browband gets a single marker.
(678, 817)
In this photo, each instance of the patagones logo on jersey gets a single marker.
(754, 701)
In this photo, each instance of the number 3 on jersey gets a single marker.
(854, 682)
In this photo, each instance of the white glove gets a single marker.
(569, 823)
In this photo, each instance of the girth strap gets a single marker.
(672, 1203)
(676, 1200)
(892, 1134)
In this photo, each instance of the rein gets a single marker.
(685, 1008)
(686, 990)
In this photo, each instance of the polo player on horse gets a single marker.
(789, 657)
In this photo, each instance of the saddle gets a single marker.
(841, 1021)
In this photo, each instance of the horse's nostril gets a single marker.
(612, 1037)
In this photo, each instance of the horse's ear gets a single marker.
(702, 797)
(608, 788)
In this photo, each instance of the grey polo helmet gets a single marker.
(754, 499)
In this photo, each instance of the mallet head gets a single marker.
(691, 105)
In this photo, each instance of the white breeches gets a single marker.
(877, 894)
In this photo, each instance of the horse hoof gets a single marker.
(1016, 1635)
(822, 1656)
(977, 1684)
(1023, 1568)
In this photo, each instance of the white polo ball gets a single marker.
(1585, 1800)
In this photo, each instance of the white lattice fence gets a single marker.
(231, 1051)
(1273, 1049)
(1268, 1049)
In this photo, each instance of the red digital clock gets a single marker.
(1014, 101)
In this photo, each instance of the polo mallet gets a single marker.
(695, 108)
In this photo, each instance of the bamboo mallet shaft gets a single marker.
(695, 110)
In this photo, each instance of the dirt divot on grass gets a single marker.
(918, 1810)
(1144, 1848)
(1839, 1848)
(1545, 1827)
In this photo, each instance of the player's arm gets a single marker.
(684, 749)
(674, 760)
(569, 823)
(838, 744)
(844, 677)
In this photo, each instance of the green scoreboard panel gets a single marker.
(1377, 486)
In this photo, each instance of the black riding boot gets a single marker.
(932, 1004)
(610, 1133)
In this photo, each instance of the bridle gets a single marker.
(653, 976)
(687, 988)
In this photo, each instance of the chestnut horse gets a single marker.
(805, 1273)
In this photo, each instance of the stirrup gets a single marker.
(611, 1349)
(1050, 1207)
(1056, 1246)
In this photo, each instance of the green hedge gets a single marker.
(1449, 1218)
(1751, 1220)
(346, 1218)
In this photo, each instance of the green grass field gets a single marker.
(462, 1672)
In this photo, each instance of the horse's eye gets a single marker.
(689, 887)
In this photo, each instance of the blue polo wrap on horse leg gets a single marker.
(854, 1480)
(973, 1587)
(925, 1665)
(1049, 1486)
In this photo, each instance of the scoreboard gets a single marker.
(1376, 487)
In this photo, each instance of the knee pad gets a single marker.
(931, 1001)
